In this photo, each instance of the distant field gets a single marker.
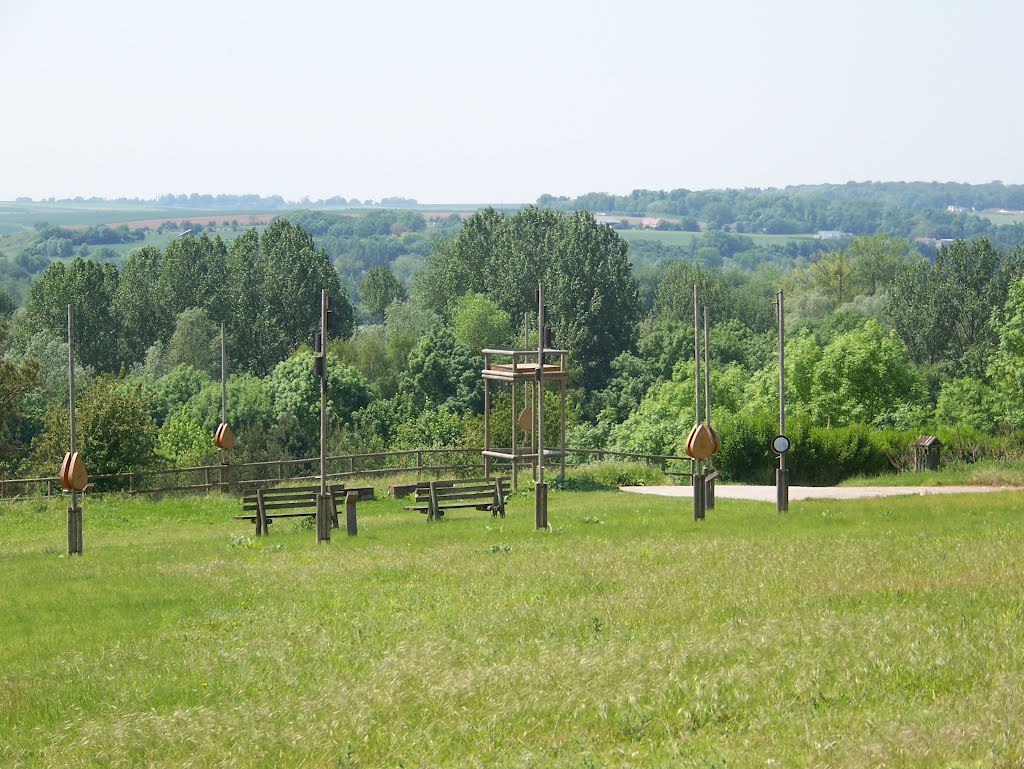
(17, 216)
(674, 238)
(883, 632)
(1001, 218)
(161, 239)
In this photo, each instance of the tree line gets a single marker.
(883, 343)
(908, 210)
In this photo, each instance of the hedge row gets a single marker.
(822, 456)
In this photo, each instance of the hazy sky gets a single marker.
(476, 101)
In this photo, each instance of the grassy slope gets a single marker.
(677, 238)
(882, 632)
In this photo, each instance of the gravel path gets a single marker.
(767, 493)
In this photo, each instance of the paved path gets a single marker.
(767, 493)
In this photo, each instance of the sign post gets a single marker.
(781, 446)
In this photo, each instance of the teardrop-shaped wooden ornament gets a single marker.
(689, 439)
(700, 444)
(714, 437)
(223, 438)
(73, 475)
(525, 420)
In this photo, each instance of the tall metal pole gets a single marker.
(541, 489)
(696, 350)
(323, 513)
(782, 477)
(709, 486)
(707, 373)
(223, 377)
(223, 407)
(697, 472)
(71, 389)
(74, 512)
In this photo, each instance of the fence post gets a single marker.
(419, 463)
(206, 472)
(351, 465)
(280, 471)
(350, 513)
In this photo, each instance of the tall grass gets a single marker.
(871, 633)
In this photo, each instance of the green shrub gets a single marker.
(611, 475)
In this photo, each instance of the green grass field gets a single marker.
(18, 216)
(676, 238)
(873, 633)
(1001, 218)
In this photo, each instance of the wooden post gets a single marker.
(350, 512)
(433, 512)
(561, 432)
(261, 515)
(698, 491)
(515, 433)
(487, 422)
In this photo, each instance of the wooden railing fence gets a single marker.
(208, 478)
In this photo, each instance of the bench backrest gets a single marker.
(287, 497)
(472, 488)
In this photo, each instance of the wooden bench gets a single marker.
(434, 497)
(293, 501)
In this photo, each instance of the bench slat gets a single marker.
(434, 497)
(275, 515)
(286, 505)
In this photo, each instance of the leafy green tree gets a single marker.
(114, 431)
(139, 304)
(969, 402)
(281, 275)
(7, 303)
(183, 442)
(592, 296)
(436, 427)
(295, 390)
(17, 379)
(478, 323)
(917, 311)
(173, 390)
(1006, 367)
(864, 376)
(876, 260)
(194, 273)
(443, 372)
(250, 404)
(631, 378)
(943, 311)
(195, 342)
(832, 274)
(249, 318)
(378, 290)
(89, 288)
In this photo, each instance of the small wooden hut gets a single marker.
(926, 453)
